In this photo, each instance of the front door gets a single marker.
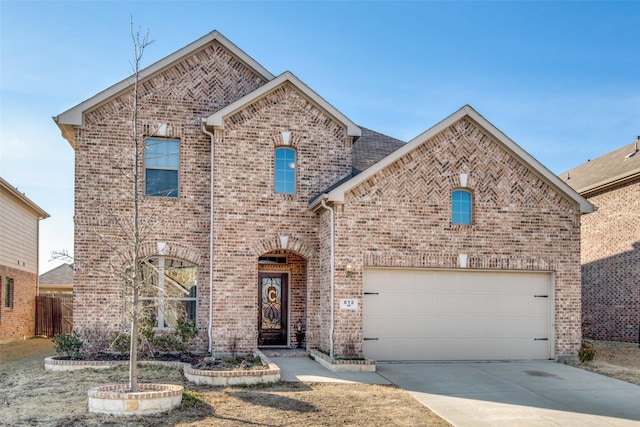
(272, 300)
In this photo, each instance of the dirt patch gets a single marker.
(40, 397)
(616, 360)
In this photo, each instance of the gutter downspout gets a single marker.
(210, 325)
(332, 267)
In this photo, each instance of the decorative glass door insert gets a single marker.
(272, 328)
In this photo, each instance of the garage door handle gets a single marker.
(541, 296)
(541, 339)
(371, 293)
(371, 339)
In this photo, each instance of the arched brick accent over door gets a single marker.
(290, 243)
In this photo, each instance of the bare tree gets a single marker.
(123, 235)
(135, 279)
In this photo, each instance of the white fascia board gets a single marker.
(582, 205)
(337, 194)
(74, 115)
(216, 120)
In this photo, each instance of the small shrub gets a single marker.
(186, 331)
(586, 353)
(145, 329)
(121, 342)
(167, 343)
(69, 344)
(96, 340)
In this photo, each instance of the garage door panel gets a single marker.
(444, 348)
(419, 314)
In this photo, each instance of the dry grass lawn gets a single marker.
(29, 395)
(32, 396)
(616, 360)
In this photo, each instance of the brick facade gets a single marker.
(18, 322)
(179, 97)
(401, 218)
(398, 217)
(611, 265)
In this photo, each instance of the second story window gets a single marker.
(161, 167)
(285, 170)
(461, 207)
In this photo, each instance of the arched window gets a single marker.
(285, 170)
(167, 291)
(461, 207)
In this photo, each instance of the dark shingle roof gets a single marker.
(606, 170)
(371, 147)
(61, 275)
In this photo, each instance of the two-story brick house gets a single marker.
(611, 243)
(275, 212)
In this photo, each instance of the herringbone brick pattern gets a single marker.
(401, 217)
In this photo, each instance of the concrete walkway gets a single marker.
(479, 394)
(303, 369)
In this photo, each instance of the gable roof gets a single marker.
(73, 117)
(61, 275)
(337, 194)
(614, 168)
(216, 120)
(40, 213)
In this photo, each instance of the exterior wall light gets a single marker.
(348, 267)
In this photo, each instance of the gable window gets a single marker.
(161, 166)
(167, 291)
(285, 170)
(461, 207)
(8, 293)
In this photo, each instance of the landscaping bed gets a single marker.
(39, 397)
(218, 371)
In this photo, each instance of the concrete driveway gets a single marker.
(517, 393)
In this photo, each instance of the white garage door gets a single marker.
(419, 314)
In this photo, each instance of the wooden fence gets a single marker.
(54, 314)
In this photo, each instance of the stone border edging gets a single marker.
(343, 365)
(52, 364)
(222, 378)
(198, 376)
(151, 399)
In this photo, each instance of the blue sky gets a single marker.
(562, 79)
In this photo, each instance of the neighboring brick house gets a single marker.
(58, 280)
(312, 222)
(19, 230)
(611, 244)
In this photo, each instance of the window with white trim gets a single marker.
(167, 291)
(461, 207)
(285, 170)
(161, 167)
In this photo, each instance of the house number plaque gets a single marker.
(348, 304)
